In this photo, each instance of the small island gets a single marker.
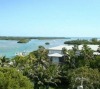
(47, 43)
(23, 41)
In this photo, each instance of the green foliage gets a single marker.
(15, 38)
(95, 63)
(94, 40)
(4, 61)
(41, 53)
(37, 67)
(86, 52)
(21, 62)
(44, 74)
(83, 58)
(78, 63)
(23, 41)
(79, 42)
(19, 38)
(91, 78)
(10, 78)
(47, 43)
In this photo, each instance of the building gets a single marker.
(56, 55)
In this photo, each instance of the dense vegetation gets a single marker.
(47, 43)
(11, 78)
(19, 38)
(79, 42)
(44, 38)
(14, 38)
(23, 41)
(46, 75)
(27, 39)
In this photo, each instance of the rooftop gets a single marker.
(69, 47)
(55, 55)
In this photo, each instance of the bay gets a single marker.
(9, 48)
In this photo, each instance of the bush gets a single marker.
(10, 78)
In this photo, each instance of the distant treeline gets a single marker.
(13, 38)
(52, 38)
(27, 39)
(19, 38)
(79, 42)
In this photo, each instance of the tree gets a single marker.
(4, 61)
(64, 51)
(10, 78)
(94, 40)
(86, 55)
(21, 62)
(42, 74)
(73, 55)
(91, 78)
(42, 53)
(95, 64)
(38, 68)
(86, 52)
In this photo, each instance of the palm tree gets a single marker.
(86, 56)
(40, 70)
(42, 74)
(73, 56)
(64, 51)
(86, 52)
(90, 76)
(4, 61)
(37, 67)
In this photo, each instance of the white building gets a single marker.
(56, 55)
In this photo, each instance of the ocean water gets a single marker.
(9, 48)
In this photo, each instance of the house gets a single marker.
(56, 55)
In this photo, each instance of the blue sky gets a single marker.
(67, 18)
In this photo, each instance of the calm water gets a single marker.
(8, 48)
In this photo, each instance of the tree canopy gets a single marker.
(91, 78)
(10, 78)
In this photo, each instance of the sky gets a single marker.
(50, 18)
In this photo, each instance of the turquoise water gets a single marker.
(8, 48)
